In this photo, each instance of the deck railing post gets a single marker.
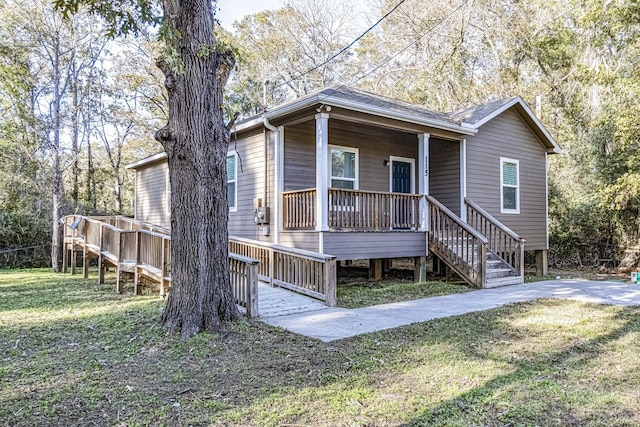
(163, 267)
(100, 261)
(519, 261)
(330, 281)
(118, 249)
(271, 266)
(64, 244)
(252, 289)
(135, 270)
(482, 262)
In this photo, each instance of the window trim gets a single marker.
(356, 180)
(504, 160)
(409, 160)
(233, 208)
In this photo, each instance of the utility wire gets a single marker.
(411, 44)
(344, 49)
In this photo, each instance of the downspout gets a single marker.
(275, 217)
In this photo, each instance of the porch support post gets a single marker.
(322, 170)
(423, 177)
(463, 178)
(375, 269)
(278, 182)
(542, 263)
(420, 269)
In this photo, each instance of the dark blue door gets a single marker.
(400, 177)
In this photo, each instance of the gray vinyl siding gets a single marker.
(353, 245)
(151, 194)
(374, 145)
(299, 157)
(444, 172)
(250, 184)
(508, 136)
(306, 240)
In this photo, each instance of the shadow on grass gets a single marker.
(118, 366)
(55, 291)
(535, 391)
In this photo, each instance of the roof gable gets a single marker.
(475, 117)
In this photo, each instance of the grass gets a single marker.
(364, 293)
(75, 353)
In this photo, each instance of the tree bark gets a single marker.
(196, 141)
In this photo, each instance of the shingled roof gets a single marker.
(473, 115)
(391, 104)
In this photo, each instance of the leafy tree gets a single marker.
(196, 67)
(289, 52)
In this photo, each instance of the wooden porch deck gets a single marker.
(480, 249)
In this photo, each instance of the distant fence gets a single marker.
(26, 257)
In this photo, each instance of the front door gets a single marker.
(401, 176)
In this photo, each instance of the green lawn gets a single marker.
(365, 293)
(75, 353)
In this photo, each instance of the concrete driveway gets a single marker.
(338, 323)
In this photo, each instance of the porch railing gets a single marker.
(309, 273)
(353, 210)
(464, 248)
(501, 239)
(299, 209)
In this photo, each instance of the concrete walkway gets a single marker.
(338, 323)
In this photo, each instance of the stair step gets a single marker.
(504, 281)
(493, 263)
(493, 273)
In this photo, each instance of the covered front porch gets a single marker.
(338, 173)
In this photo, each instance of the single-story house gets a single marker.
(361, 176)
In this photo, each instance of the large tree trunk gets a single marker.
(196, 141)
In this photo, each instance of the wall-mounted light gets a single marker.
(386, 163)
(327, 108)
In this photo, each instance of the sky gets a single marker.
(234, 10)
(230, 11)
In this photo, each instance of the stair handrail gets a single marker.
(517, 262)
(464, 257)
(492, 219)
(475, 233)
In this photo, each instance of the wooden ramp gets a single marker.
(142, 252)
(274, 302)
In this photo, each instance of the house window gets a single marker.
(344, 167)
(168, 194)
(232, 181)
(510, 185)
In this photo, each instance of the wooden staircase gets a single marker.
(482, 251)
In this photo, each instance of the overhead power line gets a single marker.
(429, 30)
(344, 49)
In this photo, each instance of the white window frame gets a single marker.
(356, 180)
(234, 207)
(168, 193)
(504, 160)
